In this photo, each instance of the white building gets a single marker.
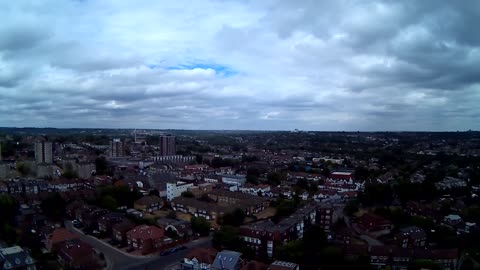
(176, 189)
(236, 180)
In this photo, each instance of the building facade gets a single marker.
(43, 152)
(167, 145)
(116, 148)
(176, 189)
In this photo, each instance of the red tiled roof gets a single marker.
(145, 232)
(148, 200)
(369, 219)
(60, 235)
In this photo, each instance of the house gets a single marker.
(76, 254)
(250, 203)
(262, 189)
(72, 208)
(106, 222)
(450, 183)
(119, 230)
(234, 179)
(89, 215)
(453, 221)
(281, 265)
(344, 176)
(15, 258)
(227, 260)
(379, 256)
(3, 187)
(410, 237)
(198, 208)
(400, 258)
(201, 189)
(254, 265)
(181, 227)
(448, 258)
(373, 224)
(199, 259)
(57, 237)
(148, 204)
(146, 239)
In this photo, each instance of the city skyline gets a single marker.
(234, 65)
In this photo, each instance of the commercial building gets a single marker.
(43, 152)
(167, 145)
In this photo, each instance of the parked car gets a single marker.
(165, 253)
(77, 224)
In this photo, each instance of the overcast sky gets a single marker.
(268, 64)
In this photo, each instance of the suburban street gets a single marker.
(162, 262)
(117, 259)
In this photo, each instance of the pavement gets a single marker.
(118, 259)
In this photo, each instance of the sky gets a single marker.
(255, 65)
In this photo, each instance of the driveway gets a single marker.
(117, 259)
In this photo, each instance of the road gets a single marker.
(117, 259)
(162, 262)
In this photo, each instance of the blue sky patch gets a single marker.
(219, 69)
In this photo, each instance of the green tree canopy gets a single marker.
(187, 194)
(54, 206)
(200, 225)
(23, 168)
(108, 202)
(235, 218)
(227, 238)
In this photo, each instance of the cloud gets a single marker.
(328, 65)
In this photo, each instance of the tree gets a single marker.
(102, 166)
(227, 238)
(187, 194)
(291, 252)
(314, 239)
(54, 206)
(361, 173)
(154, 192)
(69, 172)
(172, 215)
(23, 168)
(108, 202)
(376, 194)
(284, 208)
(200, 225)
(235, 218)
(274, 178)
(123, 195)
(252, 179)
(351, 208)
(8, 209)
